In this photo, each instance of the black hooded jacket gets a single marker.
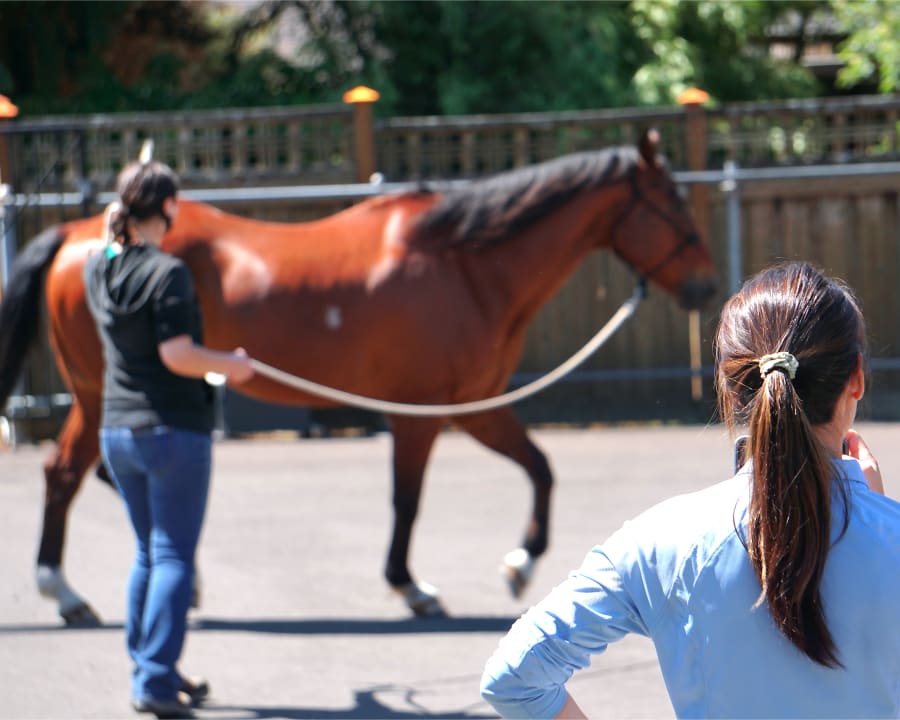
(140, 297)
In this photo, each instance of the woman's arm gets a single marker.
(183, 357)
(527, 674)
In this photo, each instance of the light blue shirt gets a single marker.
(680, 575)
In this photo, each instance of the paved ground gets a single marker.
(296, 621)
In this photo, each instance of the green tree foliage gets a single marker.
(872, 48)
(72, 57)
(425, 57)
(50, 49)
(718, 45)
(450, 57)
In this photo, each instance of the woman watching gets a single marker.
(772, 594)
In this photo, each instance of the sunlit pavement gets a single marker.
(296, 621)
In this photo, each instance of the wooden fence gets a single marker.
(849, 228)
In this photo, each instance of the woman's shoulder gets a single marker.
(662, 554)
(684, 531)
(156, 267)
(875, 518)
(699, 511)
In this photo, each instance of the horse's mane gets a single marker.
(487, 211)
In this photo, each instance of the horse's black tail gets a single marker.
(20, 309)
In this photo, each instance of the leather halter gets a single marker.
(639, 198)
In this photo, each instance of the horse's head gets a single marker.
(655, 234)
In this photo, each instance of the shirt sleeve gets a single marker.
(173, 306)
(526, 675)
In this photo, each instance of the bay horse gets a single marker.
(416, 297)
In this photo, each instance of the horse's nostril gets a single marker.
(696, 293)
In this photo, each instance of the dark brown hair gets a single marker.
(143, 187)
(790, 308)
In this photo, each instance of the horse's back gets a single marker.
(346, 243)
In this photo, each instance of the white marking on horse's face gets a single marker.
(333, 318)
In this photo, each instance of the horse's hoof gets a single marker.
(422, 599)
(517, 569)
(81, 616)
(431, 608)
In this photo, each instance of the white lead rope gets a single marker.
(624, 312)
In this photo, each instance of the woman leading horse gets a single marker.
(417, 297)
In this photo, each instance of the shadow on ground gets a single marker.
(366, 706)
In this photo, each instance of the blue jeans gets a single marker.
(163, 475)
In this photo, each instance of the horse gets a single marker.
(417, 297)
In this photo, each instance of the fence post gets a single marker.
(692, 99)
(7, 239)
(7, 231)
(729, 186)
(695, 141)
(7, 112)
(362, 98)
(8, 429)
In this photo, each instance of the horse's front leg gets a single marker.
(502, 432)
(413, 440)
(77, 448)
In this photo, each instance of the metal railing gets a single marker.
(729, 181)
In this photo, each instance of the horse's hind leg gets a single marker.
(76, 449)
(413, 440)
(502, 432)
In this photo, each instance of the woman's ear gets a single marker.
(857, 383)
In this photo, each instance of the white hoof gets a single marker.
(422, 599)
(517, 569)
(52, 584)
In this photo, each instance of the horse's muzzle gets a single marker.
(697, 292)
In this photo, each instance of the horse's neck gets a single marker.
(531, 268)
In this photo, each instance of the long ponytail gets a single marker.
(798, 313)
(789, 527)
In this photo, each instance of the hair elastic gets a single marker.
(112, 247)
(778, 361)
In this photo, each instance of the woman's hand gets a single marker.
(241, 370)
(859, 451)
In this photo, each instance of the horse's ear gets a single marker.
(649, 145)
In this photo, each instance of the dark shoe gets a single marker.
(197, 688)
(177, 707)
